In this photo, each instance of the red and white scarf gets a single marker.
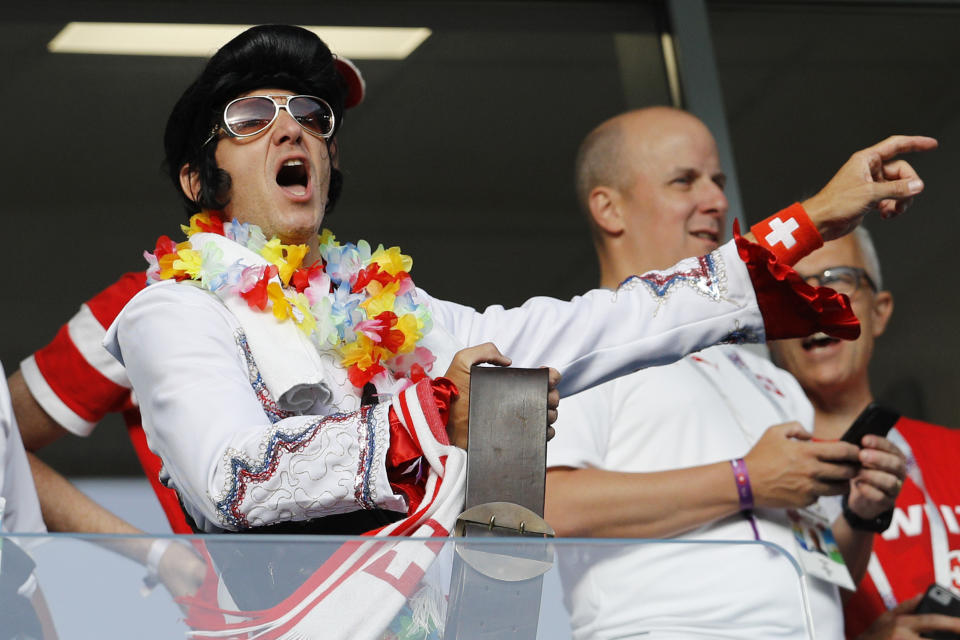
(359, 590)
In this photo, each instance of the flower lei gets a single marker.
(359, 304)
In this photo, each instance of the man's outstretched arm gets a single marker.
(596, 503)
(37, 428)
(67, 509)
(786, 469)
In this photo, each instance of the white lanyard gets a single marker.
(752, 377)
(745, 370)
(938, 530)
(738, 362)
(750, 439)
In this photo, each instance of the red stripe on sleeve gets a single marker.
(78, 385)
(90, 395)
(107, 304)
(83, 389)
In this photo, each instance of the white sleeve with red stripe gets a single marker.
(74, 379)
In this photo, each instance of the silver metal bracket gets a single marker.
(504, 562)
(503, 516)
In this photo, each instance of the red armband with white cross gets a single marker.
(789, 234)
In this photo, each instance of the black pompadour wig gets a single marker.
(275, 56)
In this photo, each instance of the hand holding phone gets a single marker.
(877, 421)
(933, 616)
(874, 420)
(940, 600)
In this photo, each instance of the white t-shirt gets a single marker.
(22, 511)
(708, 407)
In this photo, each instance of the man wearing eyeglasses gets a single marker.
(714, 447)
(919, 542)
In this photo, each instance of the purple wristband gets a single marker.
(742, 478)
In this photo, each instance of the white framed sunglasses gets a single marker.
(250, 115)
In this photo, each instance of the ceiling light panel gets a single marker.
(202, 40)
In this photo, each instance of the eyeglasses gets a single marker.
(841, 279)
(250, 115)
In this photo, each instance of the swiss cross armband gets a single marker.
(789, 234)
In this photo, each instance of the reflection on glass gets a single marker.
(327, 587)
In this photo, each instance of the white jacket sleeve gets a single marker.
(236, 460)
(650, 320)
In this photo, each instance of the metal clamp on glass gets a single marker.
(508, 563)
(511, 518)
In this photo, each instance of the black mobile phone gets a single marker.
(874, 420)
(940, 600)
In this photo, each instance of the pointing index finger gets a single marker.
(895, 145)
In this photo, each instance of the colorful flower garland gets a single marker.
(360, 304)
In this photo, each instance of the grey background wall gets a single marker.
(806, 84)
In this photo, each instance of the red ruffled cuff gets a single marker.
(792, 308)
(444, 393)
(404, 450)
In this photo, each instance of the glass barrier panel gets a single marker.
(267, 586)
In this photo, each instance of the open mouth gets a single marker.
(710, 236)
(293, 176)
(817, 341)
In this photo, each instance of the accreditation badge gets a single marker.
(817, 549)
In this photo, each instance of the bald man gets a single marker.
(667, 452)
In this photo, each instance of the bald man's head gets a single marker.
(650, 183)
(607, 155)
